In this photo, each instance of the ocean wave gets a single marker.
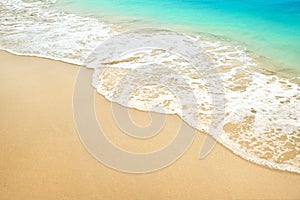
(262, 109)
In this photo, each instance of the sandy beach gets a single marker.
(42, 156)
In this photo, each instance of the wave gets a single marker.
(262, 109)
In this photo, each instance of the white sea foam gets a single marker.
(262, 116)
(32, 28)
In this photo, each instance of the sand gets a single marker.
(42, 157)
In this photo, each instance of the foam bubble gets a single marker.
(262, 111)
(33, 28)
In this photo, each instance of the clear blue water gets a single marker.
(271, 28)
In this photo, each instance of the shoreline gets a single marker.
(266, 164)
(43, 157)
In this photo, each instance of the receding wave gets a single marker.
(262, 116)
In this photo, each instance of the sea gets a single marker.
(254, 47)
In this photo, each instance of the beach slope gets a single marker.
(42, 157)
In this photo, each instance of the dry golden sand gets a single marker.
(41, 156)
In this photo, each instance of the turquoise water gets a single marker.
(270, 28)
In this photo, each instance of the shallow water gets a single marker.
(270, 28)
